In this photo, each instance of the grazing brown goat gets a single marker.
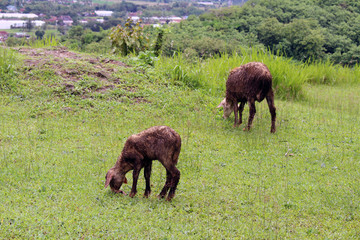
(249, 83)
(156, 143)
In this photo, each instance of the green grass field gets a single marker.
(57, 143)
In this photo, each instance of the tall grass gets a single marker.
(49, 41)
(8, 61)
(211, 73)
(325, 72)
(288, 76)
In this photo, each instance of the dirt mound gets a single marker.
(59, 59)
(72, 68)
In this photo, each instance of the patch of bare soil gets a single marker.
(58, 59)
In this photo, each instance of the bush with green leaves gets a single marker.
(302, 30)
(129, 38)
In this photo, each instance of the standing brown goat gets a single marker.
(156, 143)
(249, 83)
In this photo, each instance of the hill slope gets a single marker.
(58, 141)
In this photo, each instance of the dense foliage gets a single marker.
(303, 30)
(84, 39)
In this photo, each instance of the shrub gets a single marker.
(128, 39)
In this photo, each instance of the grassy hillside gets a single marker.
(64, 123)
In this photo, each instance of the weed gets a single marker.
(8, 63)
(48, 41)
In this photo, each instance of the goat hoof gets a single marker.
(132, 194)
(169, 198)
(161, 196)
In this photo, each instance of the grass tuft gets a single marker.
(48, 41)
(8, 63)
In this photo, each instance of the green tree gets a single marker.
(76, 32)
(270, 32)
(303, 39)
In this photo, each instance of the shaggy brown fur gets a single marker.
(156, 143)
(249, 83)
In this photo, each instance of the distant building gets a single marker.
(22, 35)
(104, 13)
(174, 19)
(11, 8)
(52, 19)
(161, 20)
(205, 3)
(3, 36)
(67, 20)
(134, 14)
(18, 15)
(135, 18)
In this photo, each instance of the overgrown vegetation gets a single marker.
(8, 65)
(289, 76)
(302, 30)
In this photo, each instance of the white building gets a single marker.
(104, 13)
(135, 18)
(17, 15)
(206, 3)
(7, 24)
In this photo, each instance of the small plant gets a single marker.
(128, 39)
(148, 58)
(48, 41)
(8, 62)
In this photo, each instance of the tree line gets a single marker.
(304, 30)
(301, 29)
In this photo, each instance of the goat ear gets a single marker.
(109, 177)
(125, 180)
(222, 104)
